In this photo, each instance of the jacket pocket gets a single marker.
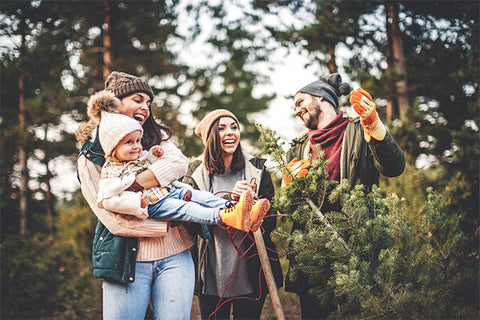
(106, 249)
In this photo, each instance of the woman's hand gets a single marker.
(147, 179)
(240, 187)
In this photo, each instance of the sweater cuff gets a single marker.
(166, 171)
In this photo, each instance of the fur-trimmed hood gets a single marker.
(98, 102)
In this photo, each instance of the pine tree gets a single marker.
(367, 258)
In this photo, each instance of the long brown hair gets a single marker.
(154, 132)
(213, 153)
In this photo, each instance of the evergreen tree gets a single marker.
(368, 259)
(229, 82)
(109, 37)
(33, 102)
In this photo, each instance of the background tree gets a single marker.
(440, 44)
(229, 81)
(38, 98)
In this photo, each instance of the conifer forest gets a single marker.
(405, 249)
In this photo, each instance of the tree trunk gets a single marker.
(48, 188)
(49, 198)
(332, 66)
(392, 106)
(399, 65)
(107, 42)
(22, 157)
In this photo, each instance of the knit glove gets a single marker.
(363, 104)
(297, 169)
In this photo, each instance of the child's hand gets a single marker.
(144, 201)
(157, 150)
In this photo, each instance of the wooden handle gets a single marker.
(267, 271)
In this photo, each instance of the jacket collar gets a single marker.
(93, 151)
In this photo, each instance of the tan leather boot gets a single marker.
(238, 216)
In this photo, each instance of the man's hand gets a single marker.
(157, 150)
(363, 104)
(297, 169)
(144, 201)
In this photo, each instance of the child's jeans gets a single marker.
(203, 207)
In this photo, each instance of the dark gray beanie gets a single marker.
(123, 84)
(329, 87)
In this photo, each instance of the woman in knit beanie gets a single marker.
(225, 169)
(139, 260)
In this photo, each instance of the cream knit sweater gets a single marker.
(156, 239)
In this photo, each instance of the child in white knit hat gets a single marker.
(120, 138)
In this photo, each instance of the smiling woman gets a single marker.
(136, 106)
(152, 254)
(229, 134)
(229, 270)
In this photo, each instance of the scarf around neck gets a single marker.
(330, 139)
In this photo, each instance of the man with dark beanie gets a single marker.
(357, 147)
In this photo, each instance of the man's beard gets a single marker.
(312, 120)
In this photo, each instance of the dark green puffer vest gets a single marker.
(113, 257)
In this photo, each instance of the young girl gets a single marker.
(120, 138)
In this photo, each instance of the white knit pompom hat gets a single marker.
(113, 128)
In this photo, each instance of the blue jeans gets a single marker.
(168, 282)
(202, 208)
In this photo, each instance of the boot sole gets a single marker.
(264, 206)
(247, 200)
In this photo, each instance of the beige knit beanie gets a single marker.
(203, 128)
(122, 84)
(113, 128)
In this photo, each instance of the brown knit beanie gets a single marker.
(123, 84)
(203, 128)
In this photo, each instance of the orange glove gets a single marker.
(363, 104)
(297, 169)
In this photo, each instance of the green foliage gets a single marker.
(50, 274)
(79, 295)
(239, 45)
(368, 258)
(29, 274)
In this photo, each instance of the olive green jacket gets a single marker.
(361, 162)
